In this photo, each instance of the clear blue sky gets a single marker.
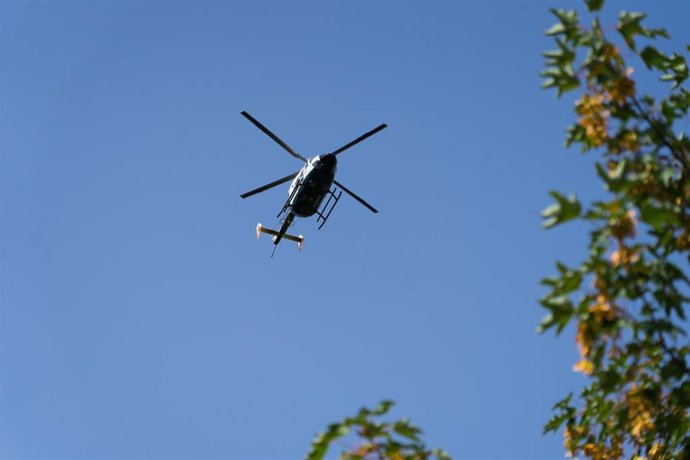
(140, 318)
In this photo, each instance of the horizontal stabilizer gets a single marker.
(299, 239)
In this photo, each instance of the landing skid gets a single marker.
(325, 212)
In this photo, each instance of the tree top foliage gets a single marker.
(628, 298)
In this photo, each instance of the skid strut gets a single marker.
(287, 203)
(325, 212)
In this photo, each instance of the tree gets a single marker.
(375, 440)
(628, 299)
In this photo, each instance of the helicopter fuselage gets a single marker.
(311, 184)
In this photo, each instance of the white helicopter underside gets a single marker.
(304, 172)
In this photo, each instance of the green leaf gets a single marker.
(674, 369)
(656, 216)
(576, 134)
(653, 58)
(568, 24)
(560, 309)
(555, 29)
(678, 70)
(405, 429)
(667, 175)
(653, 33)
(440, 454)
(320, 445)
(552, 54)
(594, 5)
(383, 407)
(563, 78)
(630, 24)
(548, 83)
(568, 281)
(563, 210)
(565, 412)
(560, 57)
(616, 179)
(609, 380)
(676, 106)
(365, 412)
(555, 423)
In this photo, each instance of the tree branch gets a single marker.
(680, 156)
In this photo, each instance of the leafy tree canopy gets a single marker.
(369, 438)
(628, 297)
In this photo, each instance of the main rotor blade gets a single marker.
(353, 195)
(360, 139)
(267, 186)
(273, 136)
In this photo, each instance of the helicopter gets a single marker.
(310, 186)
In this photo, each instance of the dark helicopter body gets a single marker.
(313, 182)
(310, 185)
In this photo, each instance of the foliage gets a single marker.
(628, 299)
(377, 440)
